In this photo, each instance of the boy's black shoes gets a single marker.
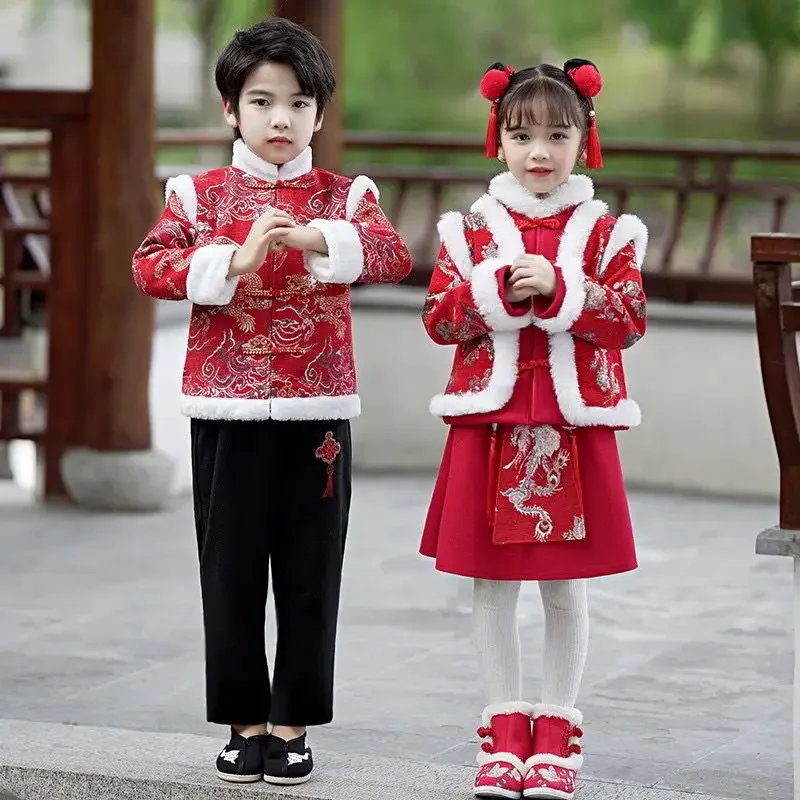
(242, 759)
(287, 762)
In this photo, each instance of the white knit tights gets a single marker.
(566, 639)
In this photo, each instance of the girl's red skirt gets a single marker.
(460, 534)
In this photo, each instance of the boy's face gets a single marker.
(275, 119)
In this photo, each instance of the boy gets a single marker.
(266, 249)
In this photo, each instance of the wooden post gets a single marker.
(324, 19)
(69, 310)
(122, 161)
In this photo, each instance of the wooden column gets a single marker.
(120, 319)
(324, 18)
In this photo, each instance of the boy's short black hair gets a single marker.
(284, 42)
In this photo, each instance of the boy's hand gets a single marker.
(300, 238)
(531, 275)
(252, 254)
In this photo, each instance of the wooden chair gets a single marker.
(777, 325)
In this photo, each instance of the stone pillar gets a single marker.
(117, 468)
(323, 18)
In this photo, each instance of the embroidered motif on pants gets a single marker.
(328, 451)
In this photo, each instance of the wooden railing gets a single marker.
(700, 201)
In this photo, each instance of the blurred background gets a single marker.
(722, 69)
(698, 120)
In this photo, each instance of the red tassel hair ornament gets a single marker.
(589, 83)
(594, 154)
(494, 85)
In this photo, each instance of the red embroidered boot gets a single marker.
(556, 753)
(507, 730)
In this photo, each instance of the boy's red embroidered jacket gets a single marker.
(577, 337)
(277, 343)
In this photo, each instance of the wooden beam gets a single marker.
(31, 108)
(324, 19)
(120, 319)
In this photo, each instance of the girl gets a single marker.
(540, 289)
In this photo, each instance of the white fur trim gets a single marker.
(280, 408)
(573, 762)
(563, 368)
(486, 294)
(345, 259)
(509, 191)
(358, 188)
(247, 161)
(627, 228)
(570, 260)
(494, 758)
(182, 186)
(499, 389)
(501, 709)
(564, 372)
(451, 234)
(207, 283)
(571, 715)
(507, 237)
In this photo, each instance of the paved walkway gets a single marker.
(687, 687)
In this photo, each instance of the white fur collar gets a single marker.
(247, 161)
(512, 194)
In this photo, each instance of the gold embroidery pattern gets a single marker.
(542, 459)
(490, 251)
(578, 530)
(605, 373)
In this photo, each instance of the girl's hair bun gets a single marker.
(585, 75)
(495, 81)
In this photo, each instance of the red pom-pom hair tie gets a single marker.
(494, 85)
(589, 83)
(587, 79)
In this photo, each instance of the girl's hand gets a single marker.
(531, 275)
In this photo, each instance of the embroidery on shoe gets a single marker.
(328, 452)
(549, 774)
(229, 755)
(296, 758)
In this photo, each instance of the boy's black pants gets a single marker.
(270, 494)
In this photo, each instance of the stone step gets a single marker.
(44, 761)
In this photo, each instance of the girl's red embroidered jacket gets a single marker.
(277, 343)
(599, 309)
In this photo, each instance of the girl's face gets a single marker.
(276, 120)
(540, 155)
